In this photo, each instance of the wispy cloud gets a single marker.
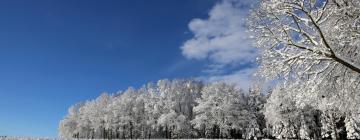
(242, 78)
(222, 39)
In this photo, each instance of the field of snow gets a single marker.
(27, 138)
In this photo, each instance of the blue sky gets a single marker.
(54, 53)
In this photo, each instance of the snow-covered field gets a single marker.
(27, 138)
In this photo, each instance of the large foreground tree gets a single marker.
(314, 44)
(308, 35)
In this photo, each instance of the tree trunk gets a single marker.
(123, 133)
(131, 130)
(333, 125)
(166, 132)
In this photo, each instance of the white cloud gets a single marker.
(242, 78)
(222, 39)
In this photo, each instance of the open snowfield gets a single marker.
(27, 138)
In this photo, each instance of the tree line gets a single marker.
(192, 109)
(168, 109)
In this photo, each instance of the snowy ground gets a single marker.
(27, 138)
(40, 138)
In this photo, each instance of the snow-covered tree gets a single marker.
(281, 114)
(307, 36)
(177, 102)
(352, 126)
(314, 44)
(68, 126)
(333, 125)
(256, 121)
(152, 110)
(221, 112)
(306, 121)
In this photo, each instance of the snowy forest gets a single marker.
(308, 48)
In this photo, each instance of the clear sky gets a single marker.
(54, 53)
